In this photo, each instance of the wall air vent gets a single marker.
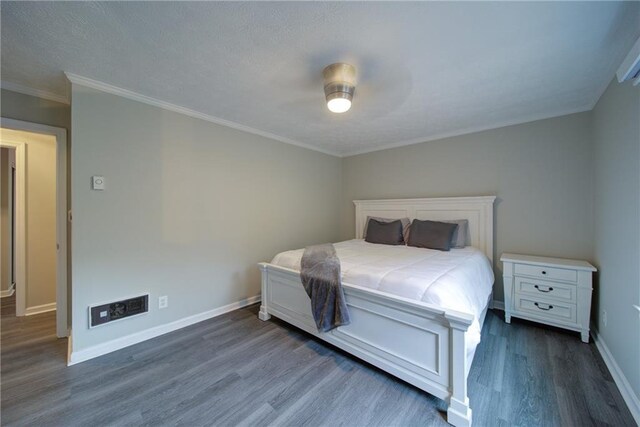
(630, 68)
(118, 310)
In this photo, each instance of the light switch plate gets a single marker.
(97, 182)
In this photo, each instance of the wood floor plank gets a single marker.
(488, 364)
(264, 411)
(236, 370)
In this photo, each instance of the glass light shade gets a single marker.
(339, 86)
(339, 105)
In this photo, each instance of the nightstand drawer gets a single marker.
(542, 289)
(550, 310)
(546, 272)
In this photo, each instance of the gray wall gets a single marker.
(540, 172)
(28, 108)
(616, 130)
(189, 208)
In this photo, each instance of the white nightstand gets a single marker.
(554, 291)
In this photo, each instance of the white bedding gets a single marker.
(461, 279)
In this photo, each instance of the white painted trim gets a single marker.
(38, 309)
(8, 292)
(114, 90)
(467, 131)
(125, 93)
(21, 222)
(629, 396)
(105, 87)
(108, 88)
(138, 337)
(38, 93)
(69, 346)
(497, 305)
(62, 284)
(60, 134)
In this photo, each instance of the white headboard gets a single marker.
(478, 210)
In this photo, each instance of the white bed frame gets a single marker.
(420, 343)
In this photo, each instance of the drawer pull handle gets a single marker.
(544, 272)
(542, 308)
(542, 290)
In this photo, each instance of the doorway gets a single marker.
(7, 225)
(40, 251)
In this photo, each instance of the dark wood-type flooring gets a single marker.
(237, 370)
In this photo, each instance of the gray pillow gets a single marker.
(431, 234)
(460, 236)
(406, 223)
(386, 233)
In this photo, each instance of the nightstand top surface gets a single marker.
(548, 261)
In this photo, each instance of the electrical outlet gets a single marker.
(163, 302)
(604, 318)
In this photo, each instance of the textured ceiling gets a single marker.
(425, 69)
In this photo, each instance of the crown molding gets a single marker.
(38, 93)
(125, 93)
(467, 131)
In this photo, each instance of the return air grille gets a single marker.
(118, 310)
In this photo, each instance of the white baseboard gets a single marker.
(69, 346)
(497, 305)
(30, 311)
(629, 396)
(126, 341)
(8, 292)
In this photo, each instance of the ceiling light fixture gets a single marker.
(339, 86)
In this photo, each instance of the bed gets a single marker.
(416, 313)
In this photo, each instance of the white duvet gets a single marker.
(461, 279)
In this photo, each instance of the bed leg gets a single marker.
(458, 412)
(264, 314)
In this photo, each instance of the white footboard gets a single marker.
(417, 342)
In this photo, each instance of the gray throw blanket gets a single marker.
(320, 274)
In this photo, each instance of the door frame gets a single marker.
(62, 324)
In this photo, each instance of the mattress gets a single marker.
(461, 279)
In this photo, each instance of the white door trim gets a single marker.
(21, 224)
(61, 218)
